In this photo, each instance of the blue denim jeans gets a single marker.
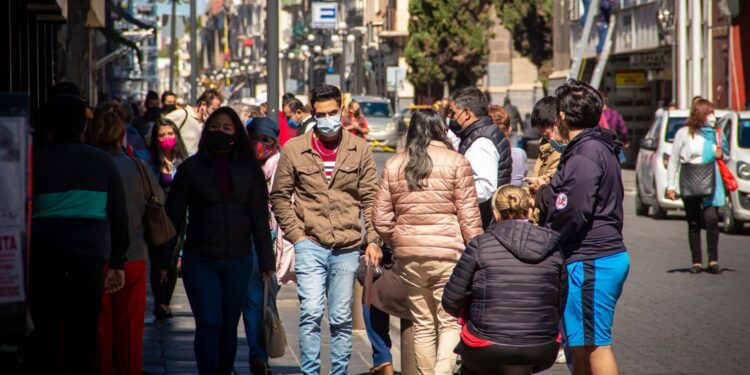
(216, 289)
(323, 272)
(378, 328)
(252, 314)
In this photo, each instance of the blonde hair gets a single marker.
(511, 203)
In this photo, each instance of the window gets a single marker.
(743, 133)
(725, 125)
(653, 133)
(376, 109)
(673, 125)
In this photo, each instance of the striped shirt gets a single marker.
(327, 152)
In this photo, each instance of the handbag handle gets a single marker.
(148, 188)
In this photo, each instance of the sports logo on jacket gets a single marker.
(562, 201)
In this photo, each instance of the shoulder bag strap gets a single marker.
(148, 189)
(183, 120)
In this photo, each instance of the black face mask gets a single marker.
(356, 113)
(454, 126)
(218, 141)
(168, 108)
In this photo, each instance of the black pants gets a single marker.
(507, 360)
(699, 216)
(162, 292)
(65, 298)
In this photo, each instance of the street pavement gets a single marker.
(668, 321)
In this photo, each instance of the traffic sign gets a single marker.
(324, 15)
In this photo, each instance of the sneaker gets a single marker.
(561, 357)
(714, 268)
(696, 268)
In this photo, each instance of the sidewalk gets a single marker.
(168, 345)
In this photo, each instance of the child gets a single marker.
(508, 285)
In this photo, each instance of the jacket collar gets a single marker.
(597, 134)
(438, 144)
(482, 122)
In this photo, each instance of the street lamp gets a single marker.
(310, 38)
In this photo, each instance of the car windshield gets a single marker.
(376, 109)
(743, 134)
(673, 125)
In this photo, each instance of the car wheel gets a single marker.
(730, 224)
(641, 209)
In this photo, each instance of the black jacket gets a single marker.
(511, 280)
(79, 204)
(485, 128)
(218, 227)
(583, 202)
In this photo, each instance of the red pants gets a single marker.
(120, 336)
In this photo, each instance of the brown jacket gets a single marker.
(328, 214)
(435, 223)
(546, 165)
(548, 160)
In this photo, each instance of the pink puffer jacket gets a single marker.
(435, 223)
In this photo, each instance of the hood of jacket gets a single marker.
(527, 242)
(603, 136)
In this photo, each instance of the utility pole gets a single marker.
(172, 44)
(682, 82)
(272, 58)
(193, 53)
(696, 45)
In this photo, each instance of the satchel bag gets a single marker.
(274, 336)
(157, 225)
(697, 180)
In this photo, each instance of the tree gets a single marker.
(529, 21)
(447, 42)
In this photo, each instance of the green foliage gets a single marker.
(447, 42)
(530, 23)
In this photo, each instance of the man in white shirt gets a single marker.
(190, 120)
(300, 116)
(486, 148)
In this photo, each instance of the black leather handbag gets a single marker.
(697, 180)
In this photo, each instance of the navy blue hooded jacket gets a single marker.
(583, 202)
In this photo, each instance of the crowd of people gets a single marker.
(488, 263)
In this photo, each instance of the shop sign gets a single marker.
(651, 61)
(630, 79)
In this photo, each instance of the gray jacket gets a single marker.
(136, 201)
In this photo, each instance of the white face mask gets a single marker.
(330, 125)
(711, 120)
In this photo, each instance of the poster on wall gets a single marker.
(11, 266)
(13, 170)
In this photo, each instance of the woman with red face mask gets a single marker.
(167, 153)
(264, 139)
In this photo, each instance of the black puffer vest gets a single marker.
(485, 128)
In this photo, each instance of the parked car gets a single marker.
(651, 164)
(736, 127)
(380, 120)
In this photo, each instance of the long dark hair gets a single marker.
(241, 152)
(698, 113)
(179, 153)
(426, 125)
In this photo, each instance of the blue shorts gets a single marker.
(594, 286)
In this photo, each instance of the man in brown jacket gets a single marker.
(331, 175)
(543, 117)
